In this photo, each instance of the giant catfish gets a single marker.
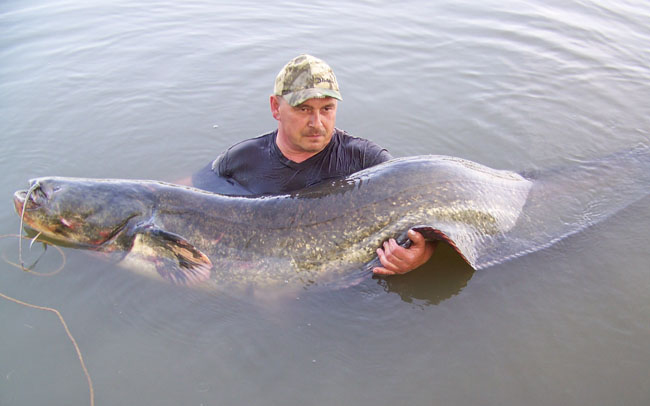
(326, 234)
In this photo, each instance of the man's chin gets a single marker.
(314, 144)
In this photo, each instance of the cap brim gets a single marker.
(301, 96)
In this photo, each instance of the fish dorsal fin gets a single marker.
(172, 257)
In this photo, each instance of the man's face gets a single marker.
(306, 128)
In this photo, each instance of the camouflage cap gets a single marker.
(306, 77)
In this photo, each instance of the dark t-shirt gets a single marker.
(257, 166)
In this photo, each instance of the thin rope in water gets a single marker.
(58, 314)
(22, 217)
(29, 268)
(67, 331)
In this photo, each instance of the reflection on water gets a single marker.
(440, 279)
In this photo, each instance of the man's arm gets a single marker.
(399, 260)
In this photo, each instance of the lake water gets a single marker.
(156, 89)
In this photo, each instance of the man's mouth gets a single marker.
(316, 133)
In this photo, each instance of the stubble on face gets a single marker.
(314, 139)
(306, 129)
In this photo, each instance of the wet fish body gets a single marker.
(316, 235)
(328, 233)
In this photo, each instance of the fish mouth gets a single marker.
(30, 204)
(40, 211)
(21, 201)
(32, 199)
(28, 201)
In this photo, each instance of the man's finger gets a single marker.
(382, 271)
(399, 255)
(415, 237)
(391, 253)
(387, 248)
(386, 261)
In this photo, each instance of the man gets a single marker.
(304, 150)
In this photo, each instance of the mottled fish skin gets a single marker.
(316, 235)
(327, 233)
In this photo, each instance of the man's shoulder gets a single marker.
(260, 142)
(348, 140)
(243, 151)
(368, 152)
(345, 136)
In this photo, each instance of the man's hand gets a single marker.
(398, 260)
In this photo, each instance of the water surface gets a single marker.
(154, 90)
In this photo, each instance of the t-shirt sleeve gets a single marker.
(207, 178)
(220, 165)
(374, 155)
(377, 155)
(359, 153)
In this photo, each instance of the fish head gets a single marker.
(84, 213)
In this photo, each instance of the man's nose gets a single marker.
(315, 119)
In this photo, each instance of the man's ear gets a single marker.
(275, 106)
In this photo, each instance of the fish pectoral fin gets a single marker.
(431, 233)
(175, 259)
